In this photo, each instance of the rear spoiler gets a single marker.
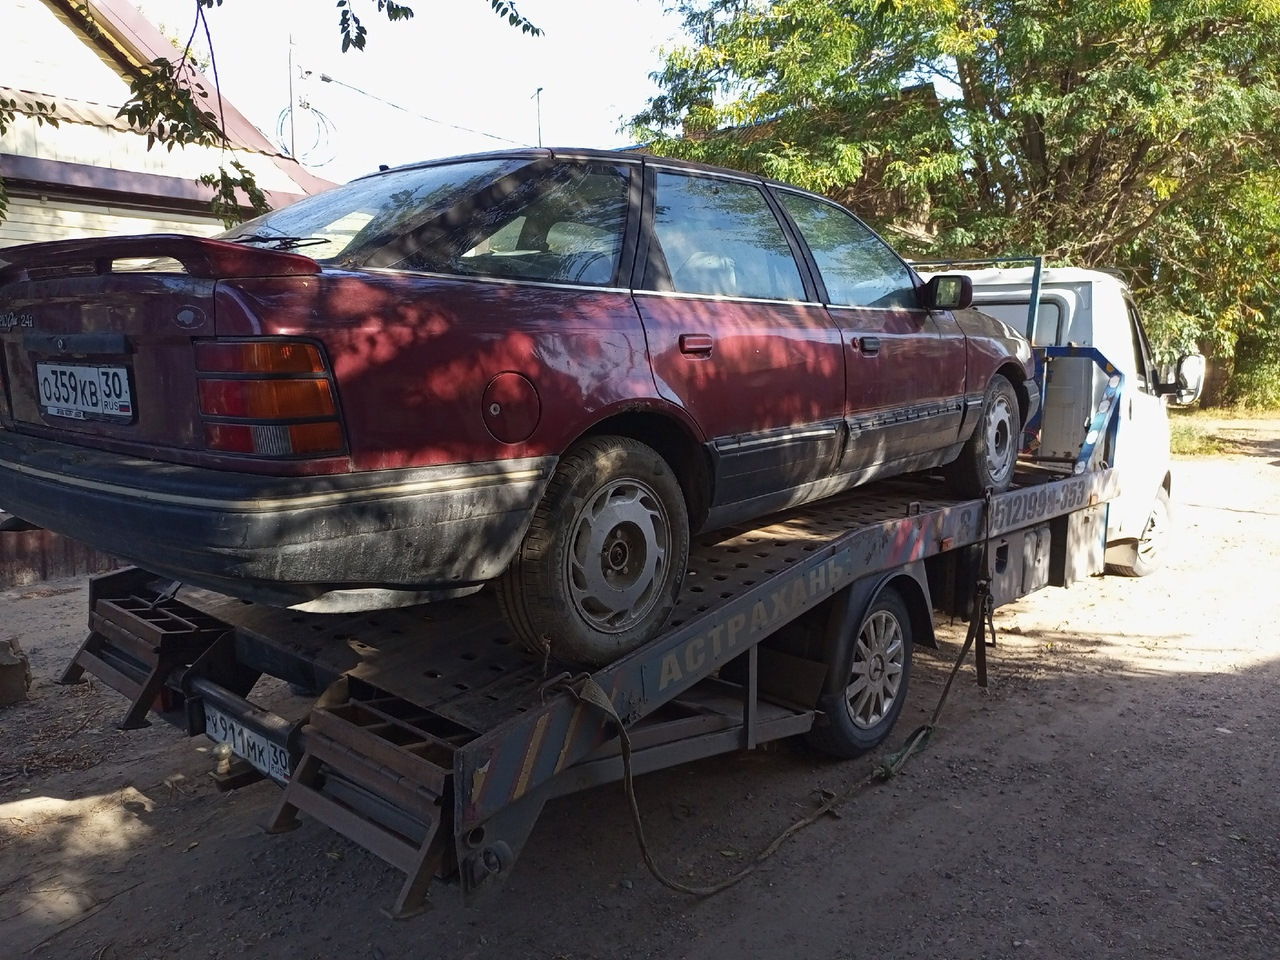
(200, 257)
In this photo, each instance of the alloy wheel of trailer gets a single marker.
(990, 454)
(1153, 542)
(600, 566)
(859, 717)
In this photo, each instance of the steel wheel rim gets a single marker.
(1157, 526)
(878, 663)
(1000, 433)
(618, 551)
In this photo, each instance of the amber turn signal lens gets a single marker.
(315, 437)
(274, 440)
(266, 399)
(249, 356)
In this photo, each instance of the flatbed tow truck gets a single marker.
(436, 739)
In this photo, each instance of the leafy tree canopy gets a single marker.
(175, 109)
(1134, 134)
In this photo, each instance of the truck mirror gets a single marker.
(1188, 380)
(950, 291)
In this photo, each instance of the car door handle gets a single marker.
(696, 344)
(869, 345)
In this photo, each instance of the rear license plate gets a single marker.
(84, 392)
(270, 758)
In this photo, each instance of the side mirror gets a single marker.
(1188, 381)
(951, 291)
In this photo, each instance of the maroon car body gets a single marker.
(374, 422)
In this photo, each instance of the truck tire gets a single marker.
(1154, 540)
(991, 452)
(860, 716)
(600, 566)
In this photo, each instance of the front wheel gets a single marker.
(600, 566)
(860, 716)
(990, 454)
(1154, 541)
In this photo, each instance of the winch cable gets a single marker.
(587, 690)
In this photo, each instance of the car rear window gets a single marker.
(353, 221)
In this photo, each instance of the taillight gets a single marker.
(267, 398)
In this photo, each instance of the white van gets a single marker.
(1092, 308)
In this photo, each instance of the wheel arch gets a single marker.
(1012, 371)
(675, 443)
(912, 585)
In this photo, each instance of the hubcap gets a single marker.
(1000, 431)
(618, 555)
(877, 670)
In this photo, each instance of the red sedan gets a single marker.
(542, 369)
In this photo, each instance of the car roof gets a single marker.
(623, 155)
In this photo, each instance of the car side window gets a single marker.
(565, 225)
(1143, 361)
(1048, 321)
(720, 238)
(858, 268)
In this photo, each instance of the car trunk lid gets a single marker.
(97, 335)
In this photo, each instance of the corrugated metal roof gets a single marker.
(68, 111)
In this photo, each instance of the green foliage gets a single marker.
(1139, 135)
(504, 8)
(229, 186)
(353, 31)
(171, 108)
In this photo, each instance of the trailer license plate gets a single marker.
(270, 758)
(83, 392)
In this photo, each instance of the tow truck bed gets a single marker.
(436, 738)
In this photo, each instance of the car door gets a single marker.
(736, 339)
(1141, 451)
(905, 368)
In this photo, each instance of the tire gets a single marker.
(1154, 541)
(860, 716)
(991, 453)
(600, 566)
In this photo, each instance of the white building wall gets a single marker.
(31, 220)
(39, 52)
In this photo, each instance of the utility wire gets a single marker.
(395, 106)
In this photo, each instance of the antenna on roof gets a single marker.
(537, 94)
(293, 136)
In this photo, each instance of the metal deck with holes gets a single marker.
(436, 739)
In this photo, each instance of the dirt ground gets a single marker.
(1115, 793)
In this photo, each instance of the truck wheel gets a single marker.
(597, 573)
(990, 454)
(1154, 540)
(859, 717)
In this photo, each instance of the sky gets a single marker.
(455, 62)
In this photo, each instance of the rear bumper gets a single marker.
(336, 542)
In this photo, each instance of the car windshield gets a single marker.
(347, 222)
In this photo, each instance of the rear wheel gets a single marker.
(598, 570)
(860, 716)
(1154, 540)
(990, 454)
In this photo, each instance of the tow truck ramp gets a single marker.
(436, 739)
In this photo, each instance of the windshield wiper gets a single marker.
(279, 242)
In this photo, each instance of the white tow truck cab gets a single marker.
(1093, 308)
